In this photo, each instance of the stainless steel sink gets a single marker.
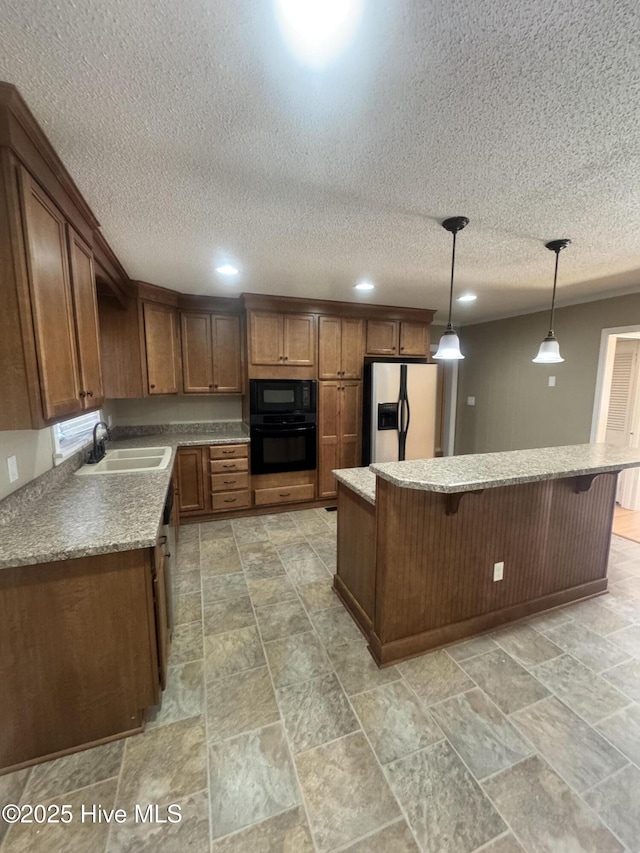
(130, 461)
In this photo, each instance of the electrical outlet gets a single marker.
(471, 401)
(12, 465)
(498, 571)
(552, 382)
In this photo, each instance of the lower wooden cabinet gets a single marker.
(213, 478)
(284, 494)
(161, 607)
(191, 480)
(340, 431)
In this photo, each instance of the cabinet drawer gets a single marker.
(222, 501)
(229, 482)
(284, 494)
(223, 466)
(232, 451)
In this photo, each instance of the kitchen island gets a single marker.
(436, 550)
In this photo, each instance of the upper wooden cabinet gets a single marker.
(340, 348)
(83, 288)
(160, 332)
(397, 338)
(283, 340)
(211, 354)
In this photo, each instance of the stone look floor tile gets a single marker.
(628, 639)
(552, 619)
(286, 833)
(187, 608)
(586, 693)
(256, 553)
(251, 536)
(589, 648)
(71, 772)
(526, 645)
(184, 695)
(11, 787)
(240, 703)
(480, 733)
(226, 654)
(346, 793)
(74, 837)
(164, 764)
(315, 712)
(506, 844)
(335, 627)
(268, 569)
(617, 801)
(214, 530)
(191, 833)
(395, 722)
(287, 536)
(318, 595)
(626, 677)
(187, 582)
(507, 683)
(576, 751)
(306, 571)
(435, 676)
(296, 658)
(295, 552)
(251, 779)
(357, 670)
(544, 812)
(471, 648)
(220, 587)
(596, 616)
(446, 809)
(219, 617)
(186, 644)
(265, 591)
(218, 550)
(623, 731)
(282, 620)
(396, 838)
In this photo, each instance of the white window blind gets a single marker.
(71, 435)
(621, 387)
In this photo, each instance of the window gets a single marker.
(70, 436)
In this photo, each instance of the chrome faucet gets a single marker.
(98, 451)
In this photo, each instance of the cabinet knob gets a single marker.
(286, 358)
(211, 385)
(89, 393)
(83, 394)
(215, 386)
(401, 349)
(152, 386)
(281, 357)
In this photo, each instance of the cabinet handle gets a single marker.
(89, 393)
(228, 451)
(233, 465)
(162, 540)
(285, 494)
(83, 394)
(229, 482)
(230, 500)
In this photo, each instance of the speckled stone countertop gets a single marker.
(362, 481)
(451, 474)
(99, 514)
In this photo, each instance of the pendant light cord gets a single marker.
(453, 264)
(553, 297)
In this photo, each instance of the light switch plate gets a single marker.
(12, 465)
(552, 382)
(471, 401)
(498, 571)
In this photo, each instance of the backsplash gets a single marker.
(138, 430)
(174, 409)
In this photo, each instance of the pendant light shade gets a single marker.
(449, 346)
(549, 352)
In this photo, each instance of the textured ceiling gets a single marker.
(193, 132)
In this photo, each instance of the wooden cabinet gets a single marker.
(414, 339)
(211, 356)
(340, 410)
(191, 485)
(161, 608)
(160, 335)
(285, 340)
(340, 348)
(397, 338)
(83, 288)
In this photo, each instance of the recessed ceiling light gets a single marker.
(227, 269)
(467, 297)
(318, 30)
(364, 285)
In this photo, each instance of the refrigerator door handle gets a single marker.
(406, 429)
(403, 414)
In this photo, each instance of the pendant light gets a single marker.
(449, 346)
(549, 352)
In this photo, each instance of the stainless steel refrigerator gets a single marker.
(399, 418)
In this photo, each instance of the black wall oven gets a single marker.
(283, 425)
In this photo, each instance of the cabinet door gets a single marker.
(329, 436)
(265, 338)
(414, 339)
(161, 608)
(191, 496)
(227, 362)
(51, 302)
(382, 337)
(329, 347)
(161, 338)
(197, 364)
(299, 340)
(352, 348)
(83, 285)
(350, 424)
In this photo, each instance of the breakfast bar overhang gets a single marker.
(420, 542)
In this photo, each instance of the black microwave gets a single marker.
(282, 396)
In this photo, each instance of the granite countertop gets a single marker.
(451, 474)
(362, 481)
(99, 514)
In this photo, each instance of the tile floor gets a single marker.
(278, 733)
